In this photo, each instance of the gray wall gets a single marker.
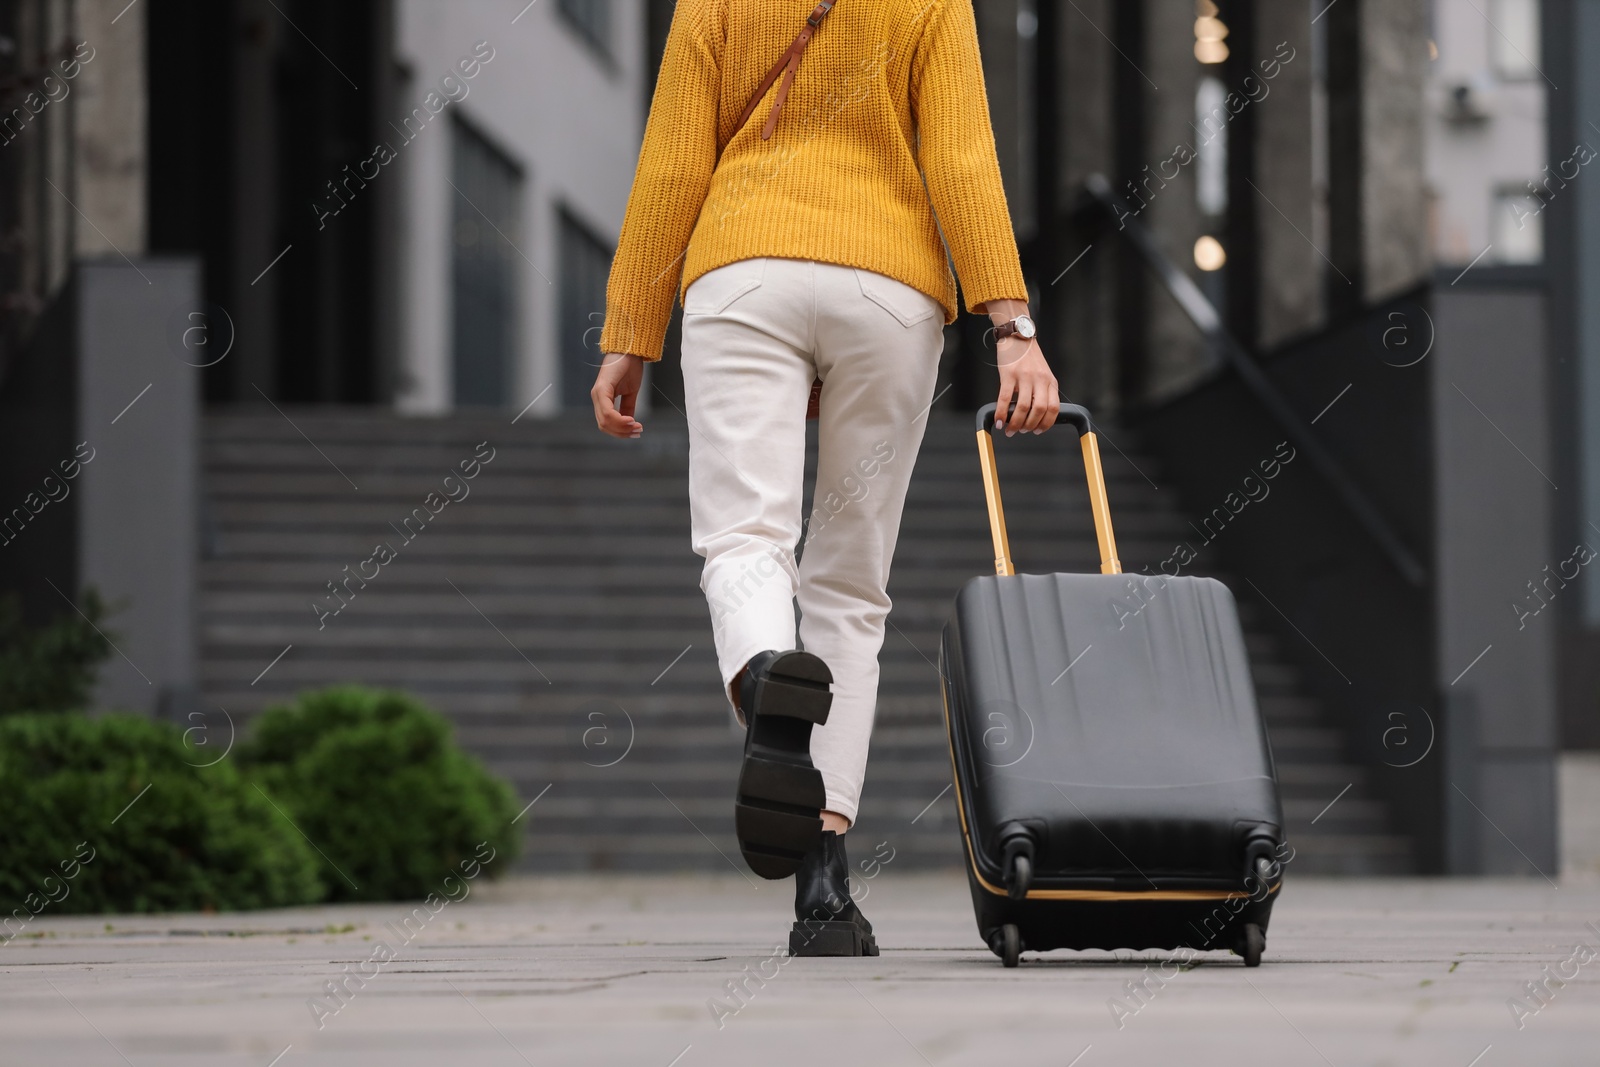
(1493, 498)
(1585, 204)
(137, 499)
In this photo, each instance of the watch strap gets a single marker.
(1007, 329)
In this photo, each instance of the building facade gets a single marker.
(512, 205)
(1367, 228)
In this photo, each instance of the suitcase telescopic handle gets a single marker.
(1077, 417)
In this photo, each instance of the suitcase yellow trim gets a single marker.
(1064, 894)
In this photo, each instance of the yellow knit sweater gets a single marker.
(885, 128)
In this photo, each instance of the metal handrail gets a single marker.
(1204, 315)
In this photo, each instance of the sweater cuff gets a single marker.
(978, 299)
(987, 289)
(624, 333)
(992, 273)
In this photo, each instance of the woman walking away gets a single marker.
(810, 248)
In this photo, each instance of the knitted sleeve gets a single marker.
(957, 156)
(669, 187)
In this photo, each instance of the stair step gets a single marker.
(600, 592)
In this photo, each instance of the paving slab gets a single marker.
(682, 971)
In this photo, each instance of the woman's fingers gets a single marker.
(1002, 404)
(1019, 417)
(618, 380)
(1011, 358)
(1026, 376)
(1045, 403)
(606, 415)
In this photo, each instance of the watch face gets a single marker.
(1025, 326)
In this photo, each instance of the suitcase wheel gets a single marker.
(1251, 944)
(1020, 877)
(1011, 945)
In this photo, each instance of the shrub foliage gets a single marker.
(113, 814)
(50, 668)
(375, 779)
(346, 794)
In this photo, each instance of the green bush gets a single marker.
(49, 668)
(376, 780)
(114, 810)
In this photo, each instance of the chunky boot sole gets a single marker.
(814, 938)
(777, 812)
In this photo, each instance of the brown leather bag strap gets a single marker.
(786, 65)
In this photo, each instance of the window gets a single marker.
(1516, 228)
(585, 266)
(1514, 38)
(488, 189)
(592, 20)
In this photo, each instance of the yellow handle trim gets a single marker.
(1100, 505)
(997, 514)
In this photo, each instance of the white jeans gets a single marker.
(755, 335)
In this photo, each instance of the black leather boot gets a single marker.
(777, 813)
(827, 921)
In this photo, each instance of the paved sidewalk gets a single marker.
(631, 970)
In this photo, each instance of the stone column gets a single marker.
(1175, 355)
(108, 186)
(1394, 215)
(255, 223)
(1083, 350)
(1291, 268)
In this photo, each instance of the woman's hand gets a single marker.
(1024, 377)
(616, 390)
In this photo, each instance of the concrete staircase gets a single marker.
(554, 615)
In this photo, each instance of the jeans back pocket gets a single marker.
(715, 291)
(908, 305)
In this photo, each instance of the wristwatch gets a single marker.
(1022, 326)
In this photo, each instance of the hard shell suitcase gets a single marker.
(1112, 772)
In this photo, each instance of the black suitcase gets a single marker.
(1112, 772)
